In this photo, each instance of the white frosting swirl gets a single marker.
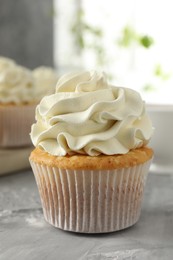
(86, 115)
(21, 85)
(16, 83)
(5, 63)
(45, 80)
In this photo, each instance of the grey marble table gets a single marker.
(24, 235)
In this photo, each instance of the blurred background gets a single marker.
(130, 40)
(26, 31)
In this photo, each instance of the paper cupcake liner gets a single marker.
(15, 125)
(91, 201)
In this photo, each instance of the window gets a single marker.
(129, 39)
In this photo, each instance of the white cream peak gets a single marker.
(86, 115)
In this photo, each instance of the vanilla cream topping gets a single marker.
(86, 115)
(45, 80)
(21, 85)
(16, 83)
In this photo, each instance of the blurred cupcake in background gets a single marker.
(20, 91)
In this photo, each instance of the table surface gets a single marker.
(25, 235)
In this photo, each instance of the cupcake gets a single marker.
(91, 158)
(17, 104)
(19, 95)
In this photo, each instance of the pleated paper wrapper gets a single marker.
(15, 125)
(90, 201)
